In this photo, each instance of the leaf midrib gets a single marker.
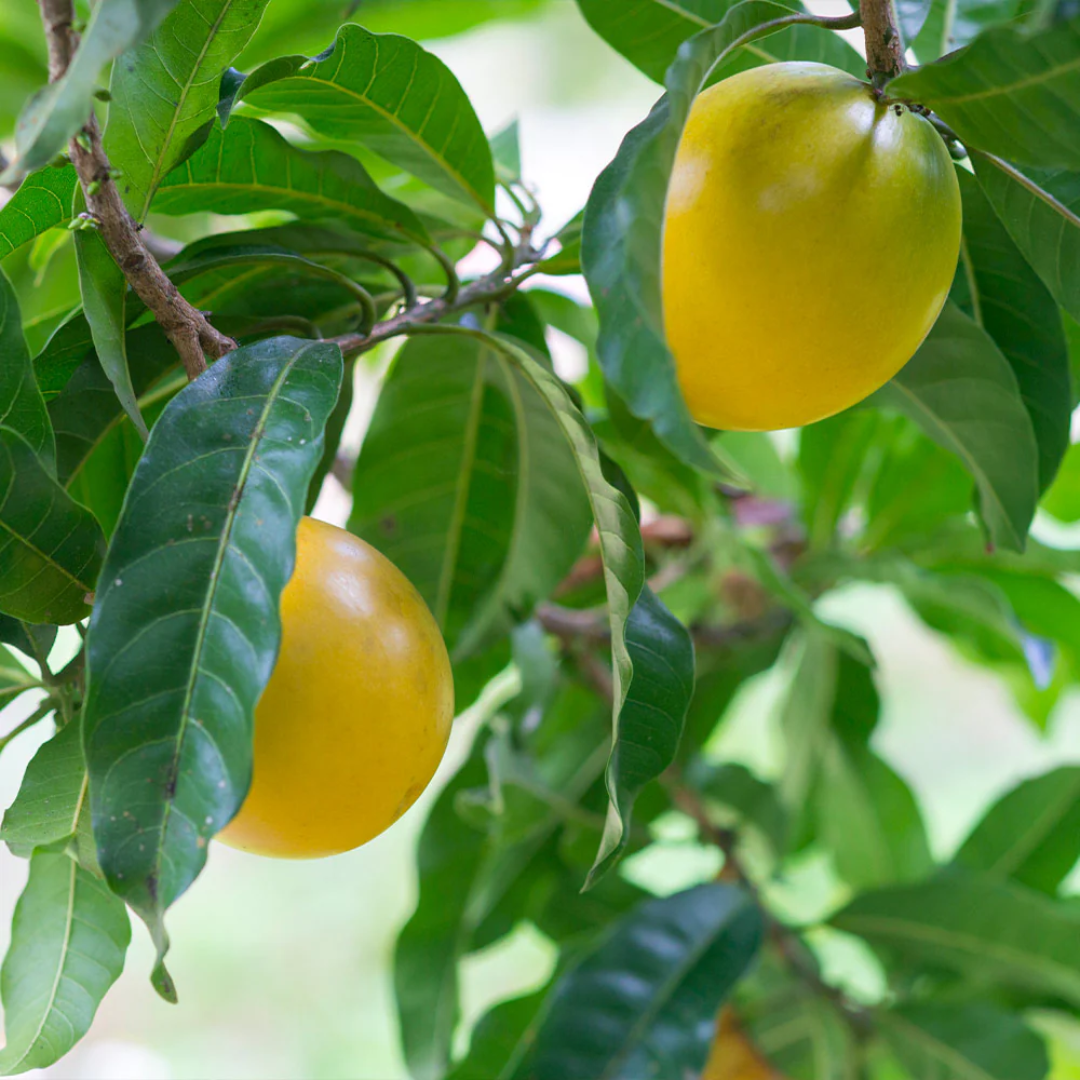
(1029, 841)
(947, 1055)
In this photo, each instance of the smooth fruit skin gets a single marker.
(811, 236)
(356, 716)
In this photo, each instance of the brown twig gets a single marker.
(185, 326)
(884, 42)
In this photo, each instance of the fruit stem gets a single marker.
(884, 42)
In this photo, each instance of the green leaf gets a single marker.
(939, 1041)
(165, 92)
(68, 940)
(643, 1003)
(805, 43)
(962, 392)
(188, 612)
(42, 202)
(1031, 834)
(1046, 230)
(1011, 92)
(466, 484)
(50, 547)
(803, 1035)
(57, 112)
(104, 296)
(753, 801)
(21, 405)
(984, 929)
(506, 152)
(621, 243)
(249, 167)
(51, 797)
(501, 1039)
(34, 641)
(390, 94)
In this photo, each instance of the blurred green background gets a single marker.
(284, 968)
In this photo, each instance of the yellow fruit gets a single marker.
(355, 718)
(732, 1057)
(811, 236)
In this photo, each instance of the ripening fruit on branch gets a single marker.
(355, 718)
(811, 236)
(731, 1056)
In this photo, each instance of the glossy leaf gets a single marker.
(466, 483)
(1010, 92)
(57, 112)
(188, 613)
(1014, 307)
(964, 1042)
(249, 166)
(390, 94)
(962, 392)
(21, 405)
(165, 91)
(33, 641)
(42, 202)
(644, 1002)
(51, 548)
(976, 926)
(68, 940)
(621, 243)
(1031, 834)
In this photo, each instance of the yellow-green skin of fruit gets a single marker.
(811, 236)
(355, 718)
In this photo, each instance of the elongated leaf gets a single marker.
(964, 1042)
(42, 202)
(621, 242)
(250, 167)
(51, 797)
(165, 93)
(50, 547)
(465, 482)
(962, 392)
(1032, 834)
(34, 641)
(188, 613)
(56, 113)
(501, 1039)
(21, 405)
(14, 678)
(804, 1036)
(1048, 235)
(393, 96)
(1014, 307)
(1010, 93)
(68, 940)
(977, 926)
(104, 295)
(643, 1003)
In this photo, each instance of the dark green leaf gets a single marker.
(50, 547)
(753, 801)
(393, 96)
(68, 940)
(42, 202)
(185, 629)
(165, 92)
(34, 641)
(501, 1039)
(567, 260)
(57, 112)
(1014, 307)
(1032, 834)
(644, 1002)
(962, 392)
(1010, 92)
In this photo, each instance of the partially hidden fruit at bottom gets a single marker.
(355, 718)
(811, 236)
(732, 1057)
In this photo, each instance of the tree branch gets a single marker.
(185, 326)
(884, 42)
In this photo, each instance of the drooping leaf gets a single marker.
(249, 166)
(1010, 92)
(390, 94)
(501, 1039)
(68, 940)
(976, 925)
(644, 1002)
(506, 152)
(188, 613)
(963, 1042)
(951, 24)
(51, 548)
(42, 202)
(21, 406)
(57, 112)
(34, 641)
(1031, 834)
(962, 392)
(165, 92)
